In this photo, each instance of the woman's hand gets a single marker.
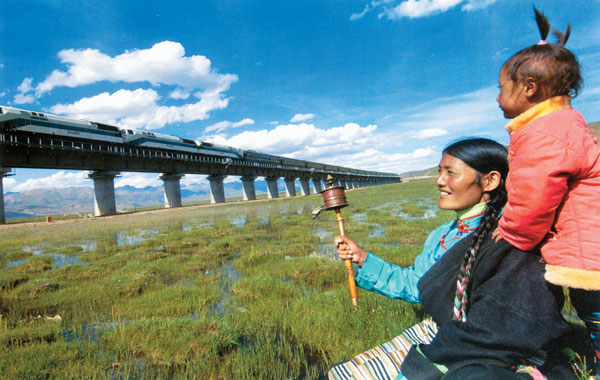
(348, 249)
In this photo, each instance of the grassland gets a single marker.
(248, 290)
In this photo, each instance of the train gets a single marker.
(20, 121)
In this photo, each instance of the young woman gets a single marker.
(497, 321)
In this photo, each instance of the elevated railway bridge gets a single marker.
(49, 142)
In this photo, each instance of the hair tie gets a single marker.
(542, 42)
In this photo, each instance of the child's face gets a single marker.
(512, 98)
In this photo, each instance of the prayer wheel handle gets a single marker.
(335, 199)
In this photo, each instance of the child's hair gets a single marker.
(484, 156)
(551, 65)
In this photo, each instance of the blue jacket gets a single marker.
(393, 281)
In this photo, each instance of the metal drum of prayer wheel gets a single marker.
(335, 199)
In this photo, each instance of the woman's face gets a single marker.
(459, 184)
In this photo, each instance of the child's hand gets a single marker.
(496, 235)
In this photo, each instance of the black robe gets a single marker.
(513, 314)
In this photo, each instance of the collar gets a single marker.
(550, 105)
(471, 211)
(463, 216)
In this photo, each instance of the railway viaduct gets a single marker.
(105, 161)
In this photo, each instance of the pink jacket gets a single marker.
(554, 192)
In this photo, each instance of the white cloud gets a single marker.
(465, 113)
(163, 65)
(477, 4)
(357, 16)
(377, 160)
(137, 180)
(223, 125)
(23, 97)
(397, 9)
(138, 109)
(2, 94)
(429, 133)
(58, 180)
(420, 8)
(178, 93)
(299, 117)
(302, 140)
(193, 179)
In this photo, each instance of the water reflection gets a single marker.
(240, 221)
(323, 234)
(327, 251)
(229, 276)
(379, 231)
(360, 218)
(395, 209)
(187, 226)
(60, 260)
(127, 238)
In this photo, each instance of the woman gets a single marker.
(489, 313)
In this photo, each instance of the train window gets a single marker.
(107, 127)
(188, 141)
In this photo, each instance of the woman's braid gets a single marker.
(493, 209)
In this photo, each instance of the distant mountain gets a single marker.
(420, 173)
(72, 200)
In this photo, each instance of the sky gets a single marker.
(379, 85)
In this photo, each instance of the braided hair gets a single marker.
(484, 156)
(549, 64)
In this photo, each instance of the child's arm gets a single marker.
(536, 185)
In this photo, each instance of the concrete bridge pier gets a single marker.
(248, 190)
(290, 187)
(104, 192)
(217, 191)
(2, 215)
(317, 185)
(3, 173)
(304, 186)
(172, 189)
(272, 190)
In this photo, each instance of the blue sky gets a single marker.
(379, 85)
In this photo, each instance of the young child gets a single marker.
(554, 179)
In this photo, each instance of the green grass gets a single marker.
(238, 291)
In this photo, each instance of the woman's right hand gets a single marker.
(348, 249)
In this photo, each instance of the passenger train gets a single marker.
(15, 120)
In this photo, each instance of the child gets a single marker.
(554, 179)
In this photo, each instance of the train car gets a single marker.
(18, 120)
(147, 139)
(219, 150)
(264, 158)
